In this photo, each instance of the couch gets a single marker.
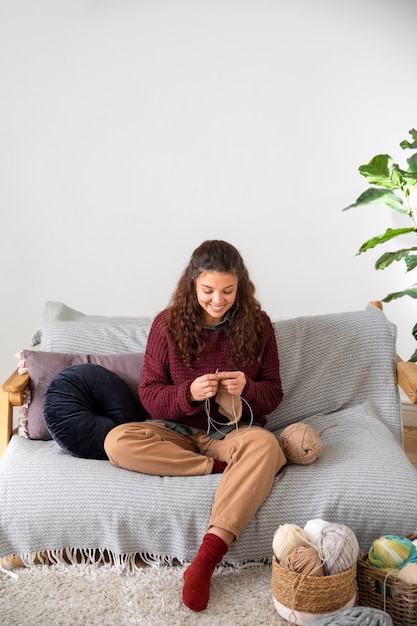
(338, 369)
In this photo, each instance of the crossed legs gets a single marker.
(252, 456)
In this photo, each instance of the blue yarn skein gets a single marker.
(392, 552)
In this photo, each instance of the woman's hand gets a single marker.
(204, 387)
(232, 382)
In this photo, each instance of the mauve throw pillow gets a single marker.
(83, 403)
(43, 366)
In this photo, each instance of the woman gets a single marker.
(210, 375)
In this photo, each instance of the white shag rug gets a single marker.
(88, 595)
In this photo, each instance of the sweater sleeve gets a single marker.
(160, 396)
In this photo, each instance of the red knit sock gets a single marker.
(197, 577)
(218, 467)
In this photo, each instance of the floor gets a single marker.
(410, 443)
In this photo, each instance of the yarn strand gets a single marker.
(211, 423)
(326, 428)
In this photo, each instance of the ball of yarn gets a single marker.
(408, 574)
(313, 529)
(338, 547)
(304, 560)
(391, 552)
(300, 444)
(287, 537)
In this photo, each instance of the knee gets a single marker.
(269, 449)
(113, 442)
(264, 439)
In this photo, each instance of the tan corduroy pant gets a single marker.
(253, 456)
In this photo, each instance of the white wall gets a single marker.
(133, 130)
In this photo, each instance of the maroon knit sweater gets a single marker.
(165, 382)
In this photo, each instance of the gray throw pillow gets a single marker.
(67, 330)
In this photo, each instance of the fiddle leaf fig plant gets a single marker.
(394, 187)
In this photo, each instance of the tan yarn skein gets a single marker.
(304, 560)
(301, 444)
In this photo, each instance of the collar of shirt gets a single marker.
(221, 324)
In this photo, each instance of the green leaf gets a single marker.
(414, 331)
(412, 163)
(379, 196)
(411, 291)
(381, 170)
(412, 176)
(406, 144)
(389, 257)
(410, 261)
(387, 236)
(410, 182)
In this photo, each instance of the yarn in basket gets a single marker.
(408, 574)
(304, 560)
(287, 537)
(391, 552)
(338, 547)
(314, 527)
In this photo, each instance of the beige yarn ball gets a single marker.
(287, 537)
(408, 574)
(300, 443)
(304, 560)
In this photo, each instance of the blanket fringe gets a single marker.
(121, 563)
(66, 557)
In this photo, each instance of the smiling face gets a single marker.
(216, 293)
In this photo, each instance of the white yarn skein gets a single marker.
(314, 527)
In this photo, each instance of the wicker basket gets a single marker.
(387, 593)
(312, 594)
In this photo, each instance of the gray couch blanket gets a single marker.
(337, 369)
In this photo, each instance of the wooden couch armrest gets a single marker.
(407, 378)
(11, 394)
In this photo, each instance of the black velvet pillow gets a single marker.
(83, 403)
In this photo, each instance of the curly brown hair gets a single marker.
(184, 316)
